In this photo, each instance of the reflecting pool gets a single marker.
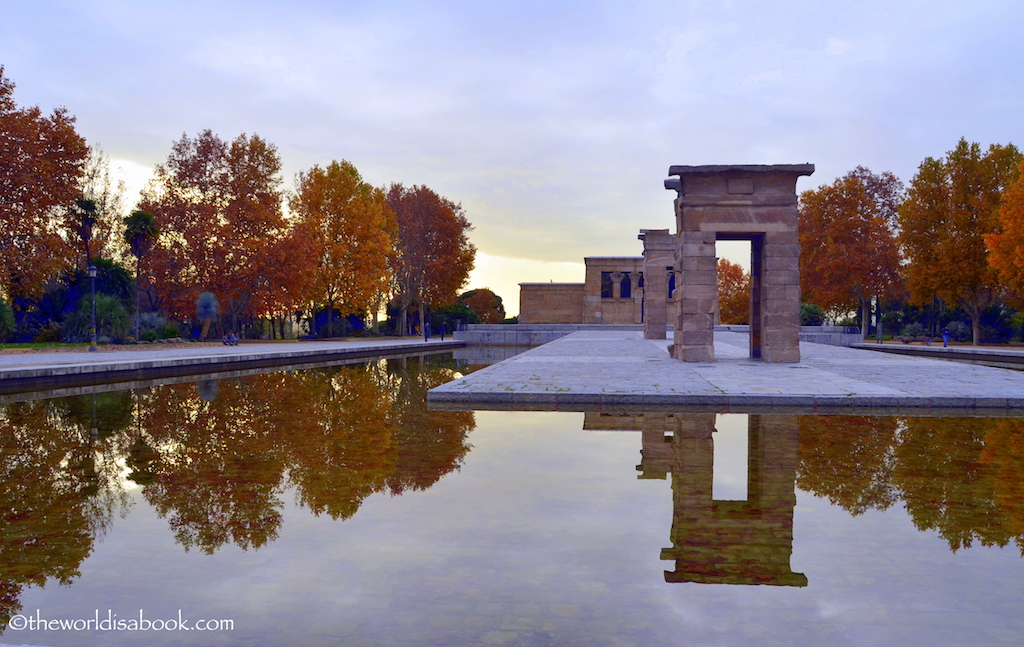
(329, 506)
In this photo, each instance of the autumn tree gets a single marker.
(849, 460)
(1006, 241)
(848, 244)
(952, 203)
(352, 230)
(41, 162)
(219, 206)
(485, 303)
(733, 293)
(434, 256)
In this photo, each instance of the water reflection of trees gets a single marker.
(214, 461)
(59, 489)
(962, 477)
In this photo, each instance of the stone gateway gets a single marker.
(742, 202)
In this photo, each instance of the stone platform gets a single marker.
(591, 370)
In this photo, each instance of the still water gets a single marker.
(329, 507)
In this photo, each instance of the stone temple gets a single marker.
(675, 281)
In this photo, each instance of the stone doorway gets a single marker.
(740, 202)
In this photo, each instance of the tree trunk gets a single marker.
(975, 313)
(403, 326)
(974, 308)
(865, 309)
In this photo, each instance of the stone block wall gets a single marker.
(552, 303)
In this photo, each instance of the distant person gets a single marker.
(945, 337)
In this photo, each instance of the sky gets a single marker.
(552, 123)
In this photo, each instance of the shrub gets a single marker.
(50, 333)
(7, 325)
(811, 315)
(112, 320)
(913, 330)
(158, 325)
(958, 330)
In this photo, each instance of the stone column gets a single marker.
(617, 284)
(638, 296)
(658, 453)
(659, 254)
(780, 297)
(695, 325)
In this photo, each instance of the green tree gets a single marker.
(83, 215)
(99, 187)
(207, 311)
(140, 233)
(951, 205)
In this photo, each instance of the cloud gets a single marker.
(552, 123)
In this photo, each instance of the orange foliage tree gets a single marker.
(434, 256)
(351, 229)
(1006, 241)
(485, 303)
(733, 293)
(219, 208)
(952, 203)
(41, 163)
(848, 245)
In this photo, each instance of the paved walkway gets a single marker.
(23, 371)
(1001, 356)
(621, 368)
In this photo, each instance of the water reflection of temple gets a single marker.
(722, 542)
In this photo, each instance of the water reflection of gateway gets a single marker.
(722, 542)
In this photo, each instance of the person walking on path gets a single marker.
(945, 337)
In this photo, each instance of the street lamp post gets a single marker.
(92, 338)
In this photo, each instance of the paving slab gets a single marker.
(23, 371)
(620, 368)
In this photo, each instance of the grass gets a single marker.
(48, 344)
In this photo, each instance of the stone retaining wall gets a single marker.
(537, 334)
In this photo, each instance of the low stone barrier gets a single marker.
(528, 334)
(537, 334)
